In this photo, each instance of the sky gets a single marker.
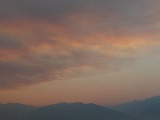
(93, 51)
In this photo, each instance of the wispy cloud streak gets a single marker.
(48, 40)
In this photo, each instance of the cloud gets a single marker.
(49, 40)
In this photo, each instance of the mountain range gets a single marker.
(61, 111)
(148, 109)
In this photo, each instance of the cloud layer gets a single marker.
(49, 40)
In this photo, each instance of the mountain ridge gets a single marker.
(137, 106)
(66, 111)
(147, 109)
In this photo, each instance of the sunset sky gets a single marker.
(93, 51)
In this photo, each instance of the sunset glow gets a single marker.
(105, 52)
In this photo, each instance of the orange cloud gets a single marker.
(37, 48)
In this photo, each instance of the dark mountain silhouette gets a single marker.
(137, 107)
(13, 111)
(148, 109)
(152, 112)
(75, 111)
(61, 111)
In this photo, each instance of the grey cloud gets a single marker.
(35, 66)
(10, 42)
(59, 8)
(46, 67)
(43, 9)
(126, 15)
